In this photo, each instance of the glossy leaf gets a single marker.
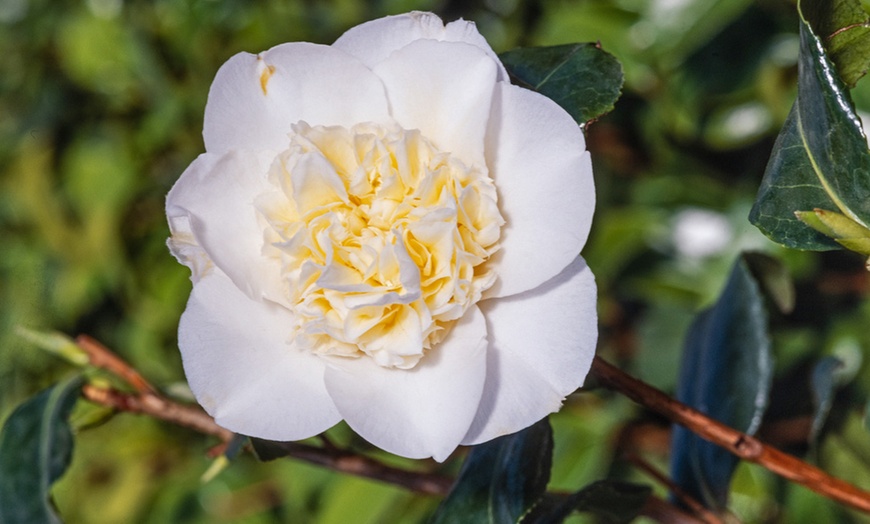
(725, 373)
(820, 159)
(843, 26)
(611, 501)
(501, 479)
(582, 78)
(35, 449)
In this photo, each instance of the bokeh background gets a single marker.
(101, 105)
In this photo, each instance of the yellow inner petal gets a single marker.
(382, 239)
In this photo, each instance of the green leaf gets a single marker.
(582, 78)
(726, 373)
(55, 343)
(611, 501)
(843, 25)
(35, 449)
(501, 479)
(819, 160)
(844, 230)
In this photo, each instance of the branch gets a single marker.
(148, 401)
(158, 407)
(102, 357)
(194, 418)
(696, 507)
(740, 444)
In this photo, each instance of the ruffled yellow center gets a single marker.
(381, 237)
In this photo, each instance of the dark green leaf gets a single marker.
(843, 26)
(501, 479)
(611, 501)
(582, 78)
(820, 159)
(725, 373)
(35, 449)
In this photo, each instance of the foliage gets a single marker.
(726, 373)
(102, 105)
(35, 449)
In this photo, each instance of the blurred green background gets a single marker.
(101, 105)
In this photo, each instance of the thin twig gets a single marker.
(740, 444)
(102, 357)
(362, 466)
(158, 407)
(337, 459)
(663, 511)
(696, 507)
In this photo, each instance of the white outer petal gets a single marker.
(541, 346)
(216, 194)
(537, 157)
(421, 412)
(242, 369)
(250, 108)
(374, 41)
(445, 90)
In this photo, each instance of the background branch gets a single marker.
(147, 401)
(740, 444)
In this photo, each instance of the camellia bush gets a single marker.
(501, 262)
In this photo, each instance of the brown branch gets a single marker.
(740, 444)
(158, 407)
(194, 418)
(102, 357)
(362, 466)
(148, 401)
(663, 511)
(696, 507)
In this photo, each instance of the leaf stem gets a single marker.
(740, 444)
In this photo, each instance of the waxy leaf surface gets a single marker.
(726, 374)
(501, 479)
(35, 449)
(582, 78)
(820, 159)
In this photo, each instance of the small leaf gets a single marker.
(820, 159)
(501, 479)
(611, 501)
(582, 78)
(848, 233)
(35, 449)
(55, 343)
(726, 373)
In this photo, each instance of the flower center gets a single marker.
(381, 237)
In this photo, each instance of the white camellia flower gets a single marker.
(384, 231)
